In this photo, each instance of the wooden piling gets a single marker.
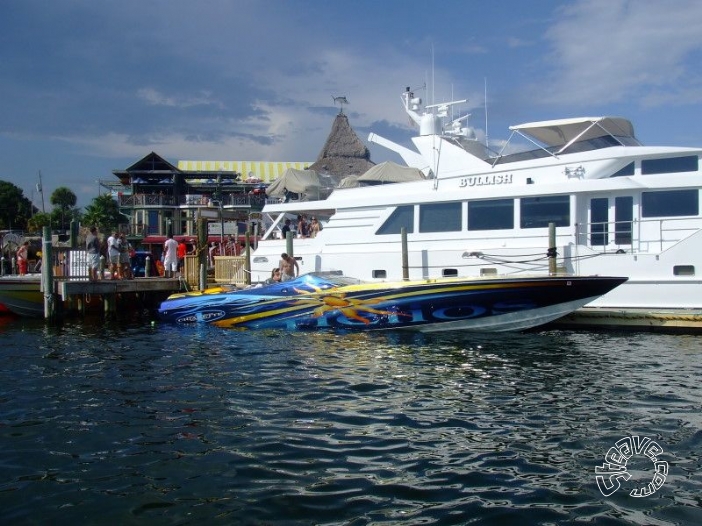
(289, 243)
(551, 249)
(405, 256)
(247, 259)
(47, 274)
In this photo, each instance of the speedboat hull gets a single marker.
(22, 295)
(316, 301)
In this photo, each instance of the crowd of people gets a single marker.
(303, 227)
(119, 252)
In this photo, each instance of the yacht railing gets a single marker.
(636, 236)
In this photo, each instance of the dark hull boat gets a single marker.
(322, 301)
(22, 295)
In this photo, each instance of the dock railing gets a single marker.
(230, 270)
(69, 263)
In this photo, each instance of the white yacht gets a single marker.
(619, 208)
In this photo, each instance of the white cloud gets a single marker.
(612, 50)
(156, 98)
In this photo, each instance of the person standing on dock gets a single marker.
(170, 258)
(182, 251)
(125, 264)
(113, 255)
(92, 245)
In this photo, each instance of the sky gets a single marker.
(87, 87)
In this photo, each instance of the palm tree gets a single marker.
(104, 213)
(64, 200)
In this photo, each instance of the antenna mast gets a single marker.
(487, 145)
(40, 189)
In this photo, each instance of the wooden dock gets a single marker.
(647, 320)
(138, 294)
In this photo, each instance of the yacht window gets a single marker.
(449, 272)
(379, 274)
(688, 163)
(623, 217)
(538, 212)
(441, 217)
(599, 213)
(627, 170)
(670, 203)
(684, 270)
(402, 216)
(493, 214)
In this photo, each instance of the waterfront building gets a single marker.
(159, 197)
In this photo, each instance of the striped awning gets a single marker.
(265, 171)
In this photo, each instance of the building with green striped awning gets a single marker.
(251, 171)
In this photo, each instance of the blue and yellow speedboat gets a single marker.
(327, 301)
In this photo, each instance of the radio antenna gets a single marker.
(487, 145)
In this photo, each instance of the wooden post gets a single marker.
(405, 257)
(289, 243)
(247, 259)
(202, 251)
(551, 249)
(73, 239)
(47, 274)
(110, 304)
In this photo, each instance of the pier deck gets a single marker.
(649, 320)
(68, 288)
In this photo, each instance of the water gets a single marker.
(154, 424)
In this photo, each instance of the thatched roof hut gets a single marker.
(344, 153)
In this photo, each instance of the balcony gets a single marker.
(252, 201)
(146, 200)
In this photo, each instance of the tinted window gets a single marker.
(402, 216)
(684, 270)
(627, 170)
(671, 203)
(669, 165)
(598, 221)
(442, 217)
(538, 212)
(495, 214)
(623, 216)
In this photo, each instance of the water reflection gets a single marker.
(125, 422)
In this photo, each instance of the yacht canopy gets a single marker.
(303, 182)
(563, 131)
(390, 172)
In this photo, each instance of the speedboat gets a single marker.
(333, 301)
(22, 295)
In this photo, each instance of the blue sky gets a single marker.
(91, 86)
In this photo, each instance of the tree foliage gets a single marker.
(15, 208)
(64, 202)
(104, 213)
(63, 198)
(37, 222)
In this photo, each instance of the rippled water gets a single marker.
(155, 424)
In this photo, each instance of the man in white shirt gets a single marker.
(113, 249)
(170, 258)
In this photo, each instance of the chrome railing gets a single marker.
(636, 236)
